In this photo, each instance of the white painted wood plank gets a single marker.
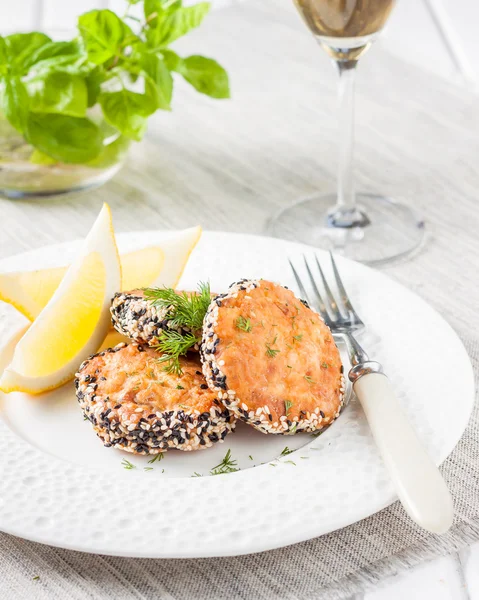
(61, 15)
(20, 17)
(463, 18)
(412, 35)
(439, 579)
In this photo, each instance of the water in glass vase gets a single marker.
(355, 22)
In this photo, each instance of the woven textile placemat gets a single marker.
(331, 567)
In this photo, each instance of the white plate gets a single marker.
(60, 486)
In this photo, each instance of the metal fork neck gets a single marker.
(360, 363)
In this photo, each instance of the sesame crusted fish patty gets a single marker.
(134, 405)
(271, 359)
(135, 317)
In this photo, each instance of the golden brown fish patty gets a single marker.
(272, 359)
(134, 405)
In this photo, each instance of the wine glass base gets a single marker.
(389, 229)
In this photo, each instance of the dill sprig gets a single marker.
(227, 465)
(172, 345)
(185, 313)
(287, 406)
(286, 451)
(186, 310)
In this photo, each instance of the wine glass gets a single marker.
(367, 227)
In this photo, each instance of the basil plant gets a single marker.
(59, 94)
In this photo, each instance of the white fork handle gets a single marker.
(418, 482)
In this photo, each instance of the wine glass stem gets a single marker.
(346, 213)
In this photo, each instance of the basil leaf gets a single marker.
(21, 46)
(159, 77)
(93, 83)
(58, 93)
(54, 50)
(103, 33)
(3, 56)
(67, 139)
(205, 75)
(39, 158)
(153, 8)
(127, 111)
(15, 102)
(112, 153)
(171, 26)
(172, 60)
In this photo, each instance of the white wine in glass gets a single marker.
(366, 227)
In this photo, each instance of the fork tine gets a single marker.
(324, 313)
(331, 299)
(298, 281)
(322, 306)
(342, 291)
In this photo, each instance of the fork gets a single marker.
(418, 482)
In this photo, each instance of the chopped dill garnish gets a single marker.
(309, 379)
(317, 433)
(272, 352)
(304, 457)
(227, 465)
(185, 312)
(195, 474)
(289, 366)
(36, 577)
(273, 465)
(298, 337)
(243, 324)
(250, 457)
(179, 387)
(156, 458)
(325, 365)
(289, 462)
(286, 451)
(127, 465)
(85, 418)
(293, 428)
(287, 406)
(147, 468)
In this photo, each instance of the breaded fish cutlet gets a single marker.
(137, 318)
(271, 359)
(136, 406)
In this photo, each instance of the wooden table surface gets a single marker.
(230, 165)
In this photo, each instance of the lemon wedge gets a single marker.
(154, 266)
(74, 322)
